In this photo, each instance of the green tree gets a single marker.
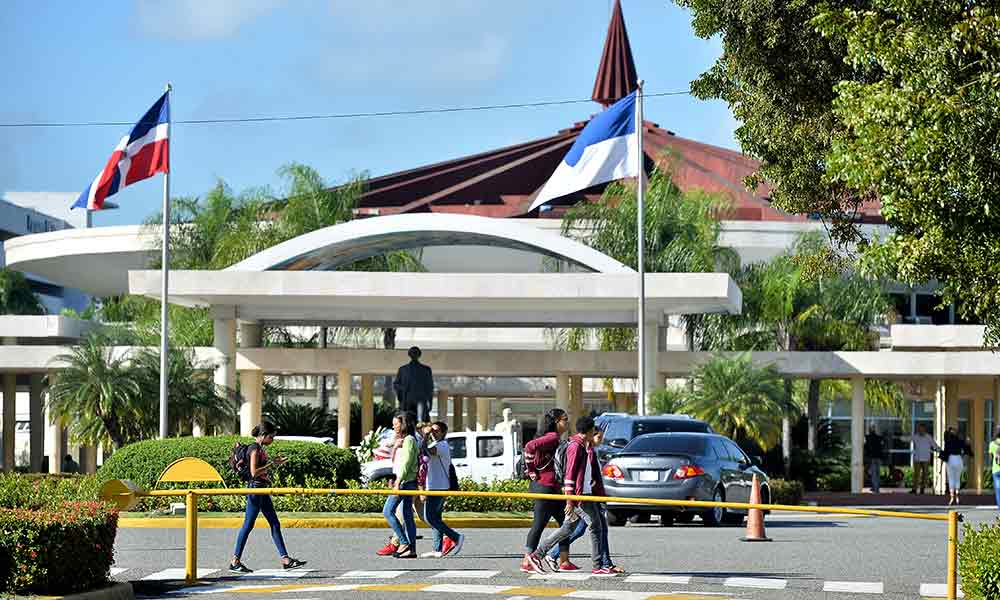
(16, 297)
(667, 400)
(740, 400)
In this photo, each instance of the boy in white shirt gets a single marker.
(447, 541)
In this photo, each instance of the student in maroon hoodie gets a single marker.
(583, 478)
(540, 468)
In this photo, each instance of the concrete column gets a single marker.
(367, 404)
(456, 413)
(576, 397)
(344, 408)
(36, 411)
(951, 400)
(562, 396)
(224, 340)
(56, 443)
(652, 342)
(252, 390)
(940, 418)
(977, 413)
(442, 407)
(857, 434)
(482, 414)
(88, 459)
(9, 419)
(471, 412)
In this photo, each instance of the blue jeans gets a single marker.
(996, 487)
(256, 505)
(407, 530)
(581, 528)
(433, 507)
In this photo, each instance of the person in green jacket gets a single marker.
(404, 467)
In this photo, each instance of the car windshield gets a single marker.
(641, 427)
(668, 444)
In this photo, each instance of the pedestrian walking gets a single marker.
(404, 468)
(874, 450)
(414, 385)
(954, 453)
(582, 478)
(995, 458)
(393, 544)
(539, 466)
(259, 467)
(921, 447)
(447, 541)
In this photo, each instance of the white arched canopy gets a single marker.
(336, 246)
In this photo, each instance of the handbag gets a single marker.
(452, 478)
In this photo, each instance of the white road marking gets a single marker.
(371, 574)
(756, 582)
(854, 587)
(562, 576)
(176, 573)
(668, 579)
(465, 574)
(612, 595)
(937, 590)
(276, 574)
(118, 570)
(321, 588)
(455, 588)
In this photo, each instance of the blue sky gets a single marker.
(109, 60)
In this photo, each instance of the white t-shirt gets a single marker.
(438, 466)
(588, 476)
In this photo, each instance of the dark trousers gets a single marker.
(260, 505)
(593, 515)
(544, 510)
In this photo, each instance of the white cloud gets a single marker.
(198, 19)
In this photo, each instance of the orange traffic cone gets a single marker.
(755, 520)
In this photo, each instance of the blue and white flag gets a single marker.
(607, 149)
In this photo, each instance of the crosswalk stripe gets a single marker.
(118, 570)
(937, 590)
(756, 582)
(175, 573)
(854, 587)
(455, 588)
(667, 579)
(465, 574)
(562, 576)
(372, 574)
(612, 595)
(322, 588)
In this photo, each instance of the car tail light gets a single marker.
(613, 472)
(688, 471)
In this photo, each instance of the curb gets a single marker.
(321, 523)
(117, 591)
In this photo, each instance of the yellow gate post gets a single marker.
(191, 538)
(952, 555)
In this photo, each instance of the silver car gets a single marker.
(681, 466)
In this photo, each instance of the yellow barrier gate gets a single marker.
(125, 494)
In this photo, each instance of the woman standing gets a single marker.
(260, 468)
(539, 465)
(404, 467)
(447, 541)
(954, 453)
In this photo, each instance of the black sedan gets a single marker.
(681, 466)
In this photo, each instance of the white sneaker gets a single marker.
(431, 555)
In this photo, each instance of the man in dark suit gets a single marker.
(414, 386)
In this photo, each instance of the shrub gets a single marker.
(59, 550)
(36, 491)
(786, 492)
(979, 561)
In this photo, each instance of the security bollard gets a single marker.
(191, 538)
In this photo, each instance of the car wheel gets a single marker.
(765, 498)
(639, 518)
(714, 516)
(666, 519)
(684, 517)
(616, 518)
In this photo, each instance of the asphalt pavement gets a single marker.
(810, 557)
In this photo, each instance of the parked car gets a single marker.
(332, 441)
(485, 456)
(681, 466)
(620, 429)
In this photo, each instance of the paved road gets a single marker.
(809, 554)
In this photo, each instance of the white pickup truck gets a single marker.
(483, 456)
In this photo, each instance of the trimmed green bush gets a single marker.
(142, 462)
(979, 561)
(61, 550)
(786, 492)
(36, 491)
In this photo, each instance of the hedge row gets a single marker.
(37, 491)
(979, 561)
(58, 550)
(786, 492)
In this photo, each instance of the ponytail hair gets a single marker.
(551, 418)
(265, 428)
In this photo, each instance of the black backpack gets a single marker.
(559, 462)
(239, 461)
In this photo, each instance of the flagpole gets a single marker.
(641, 235)
(164, 303)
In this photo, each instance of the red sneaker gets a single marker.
(568, 567)
(602, 573)
(388, 550)
(452, 547)
(531, 564)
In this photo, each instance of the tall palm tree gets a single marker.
(16, 297)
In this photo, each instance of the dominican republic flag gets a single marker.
(607, 149)
(142, 153)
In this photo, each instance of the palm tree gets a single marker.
(740, 400)
(16, 297)
(97, 395)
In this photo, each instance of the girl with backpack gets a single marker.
(539, 466)
(404, 466)
(257, 472)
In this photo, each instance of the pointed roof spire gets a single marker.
(616, 76)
